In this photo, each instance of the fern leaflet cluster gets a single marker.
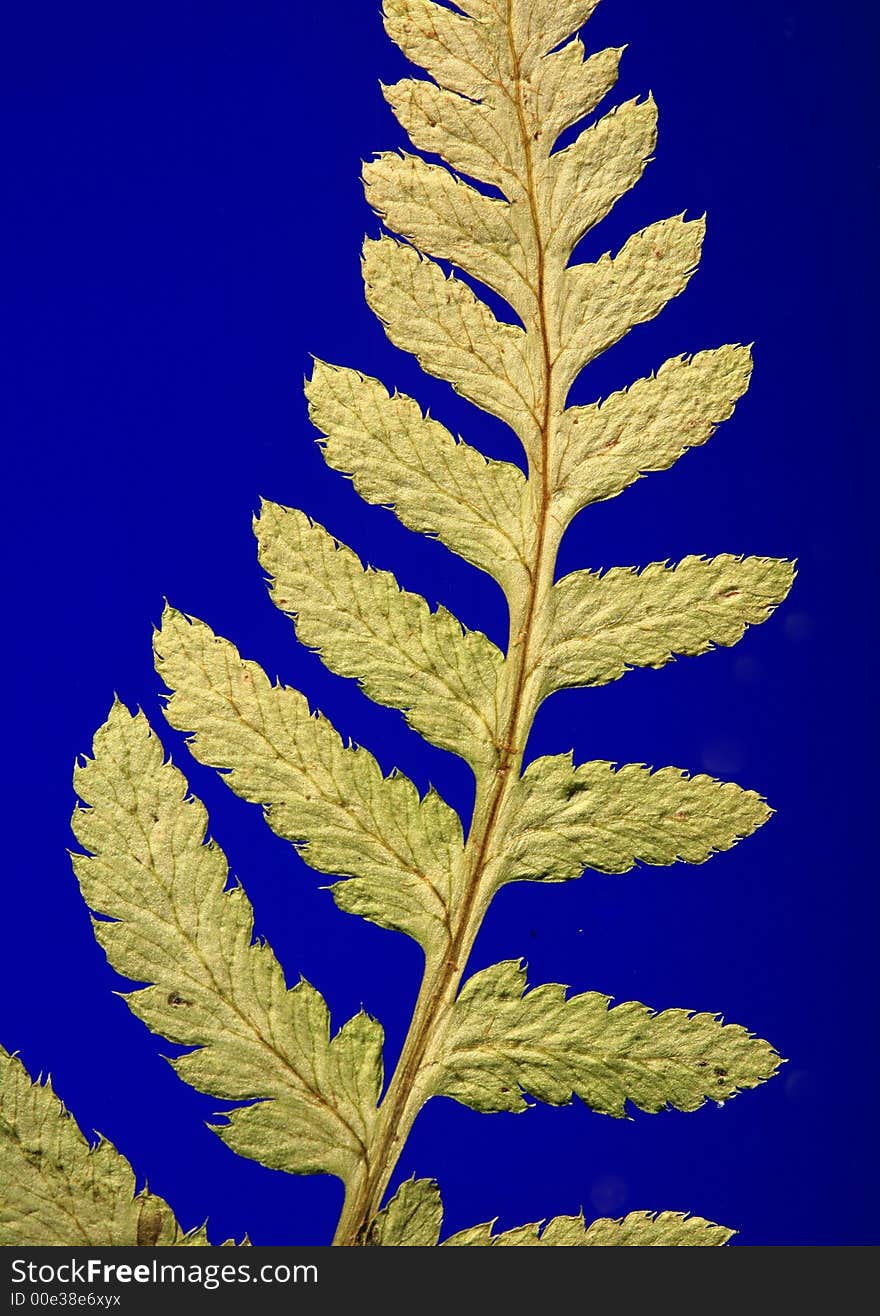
(504, 206)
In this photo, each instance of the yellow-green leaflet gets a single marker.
(603, 448)
(453, 334)
(449, 219)
(603, 625)
(397, 456)
(402, 855)
(59, 1190)
(463, 132)
(605, 300)
(443, 677)
(638, 1229)
(179, 926)
(591, 175)
(562, 819)
(413, 1218)
(502, 1042)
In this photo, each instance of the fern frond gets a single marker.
(508, 77)
(177, 925)
(402, 856)
(59, 1190)
(444, 677)
(561, 819)
(396, 456)
(502, 1042)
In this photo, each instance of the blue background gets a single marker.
(183, 219)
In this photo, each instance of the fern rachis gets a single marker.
(508, 78)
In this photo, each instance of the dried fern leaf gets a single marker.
(412, 1218)
(59, 1190)
(464, 133)
(481, 138)
(604, 625)
(457, 53)
(562, 819)
(401, 458)
(444, 677)
(502, 1042)
(178, 926)
(638, 1229)
(532, 26)
(604, 448)
(451, 332)
(591, 175)
(402, 856)
(446, 218)
(604, 300)
(508, 77)
(567, 85)
(518, 100)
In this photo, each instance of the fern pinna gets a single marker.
(506, 78)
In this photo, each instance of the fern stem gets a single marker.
(442, 978)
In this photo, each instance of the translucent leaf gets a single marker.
(592, 174)
(603, 301)
(443, 677)
(452, 334)
(58, 1190)
(502, 1042)
(638, 1229)
(561, 819)
(402, 855)
(399, 457)
(411, 1219)
(603, 448)
(448, 219)
(603, 625)
(179, 926)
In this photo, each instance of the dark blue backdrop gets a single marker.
(183, 219)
